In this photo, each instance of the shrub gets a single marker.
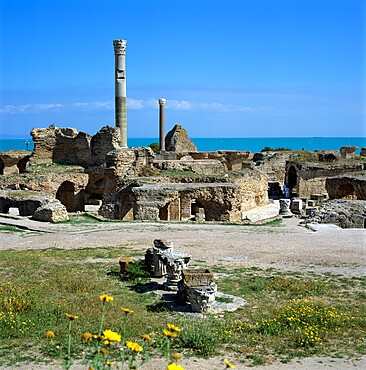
(155, 147)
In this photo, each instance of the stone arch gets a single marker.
(347, 191)
(66, 195)
(164, 212)
(292, 177)
(22, 164)
(1, 167)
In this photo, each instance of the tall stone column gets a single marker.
(162, 124)
(120, 89)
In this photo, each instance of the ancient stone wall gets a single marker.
(310, 178)
(231, 159)
(167, 201)
(68, 146)
(130, 162)
(13, 161)
(254, 188)
(346, 187)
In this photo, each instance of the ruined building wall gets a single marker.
(254, 188)
(68, 146)
(346, 187)
(310, 178)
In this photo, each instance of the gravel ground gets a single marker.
(287, 247)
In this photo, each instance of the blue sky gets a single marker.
(246, 68)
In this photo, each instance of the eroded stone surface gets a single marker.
(177, 140)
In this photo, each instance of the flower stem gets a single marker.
(69, 348)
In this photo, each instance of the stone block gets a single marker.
(54, 211)
(311, 203)
(348, 151)
(285, 208)
(363, 152)
(196, 278)
(296, 205)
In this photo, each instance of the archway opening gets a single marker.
(347, 191)
(292, 177)
(66, 195)
(164, 213)
(197, 211)
(1, 167)
(22, 164)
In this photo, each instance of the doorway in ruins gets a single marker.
(66, 195)
(1, 167)
(347, 191)
(197, 210)
(170, 211)
(292, 178)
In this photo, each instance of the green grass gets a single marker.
(9, 228)
(289, 315)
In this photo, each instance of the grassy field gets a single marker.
(289, 315)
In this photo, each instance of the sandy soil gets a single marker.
(288, 247)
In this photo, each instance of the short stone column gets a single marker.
(162, 124)
(285, 208)
(175, 262)
(160, 246)
(120, 89)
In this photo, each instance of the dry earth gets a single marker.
(288, 247)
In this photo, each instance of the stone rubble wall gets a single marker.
(68, 146)
(130, 162)
(344, 213)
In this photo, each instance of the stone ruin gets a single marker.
(195, 287)
(13, 161)
(32, 204)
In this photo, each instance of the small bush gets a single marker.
(155, 147)
(201, 337)
(137, 271)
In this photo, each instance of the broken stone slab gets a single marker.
(296, 205)
(323, 227)
(262, 215)
(236, 303)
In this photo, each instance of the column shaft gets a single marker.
(162, 124)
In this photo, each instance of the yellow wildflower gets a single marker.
(146, 337)
(176, 356)
(105, 297)
(103, 351)
(169, 333)
(50, 334)
(111, 336)
(110, 363)
(174, 366)
(172, 327)
(126, 310)
(72, 317)
(228, 364)
(85, 337)
(133, 346)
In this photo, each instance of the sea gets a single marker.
(211, 144)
